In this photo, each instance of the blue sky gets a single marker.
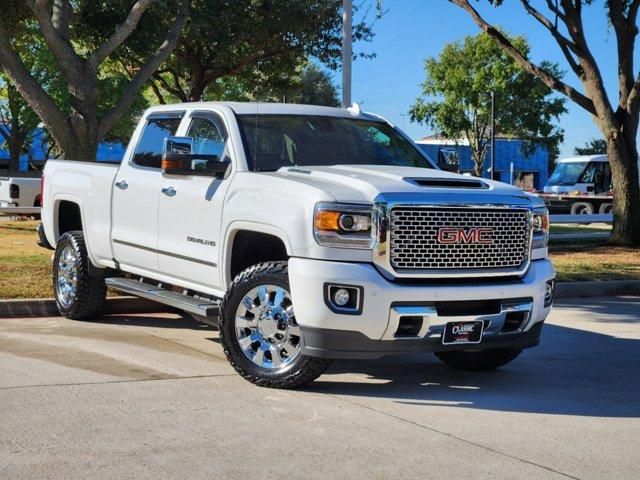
(412, 30)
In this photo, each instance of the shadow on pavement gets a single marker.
(573, 372)
(183, 321)
(627, 309)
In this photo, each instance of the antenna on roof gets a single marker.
(255, 130)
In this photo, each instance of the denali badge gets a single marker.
(472, 235)
(201, 241)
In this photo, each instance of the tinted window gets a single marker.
(208, 137)
(149, 149)
(274, 141)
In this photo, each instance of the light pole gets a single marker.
(493, 135)
(347, 20)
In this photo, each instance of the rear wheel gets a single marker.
(259, 332)
(606, 208)
(480, 360)
(582, 208)
(79, 294)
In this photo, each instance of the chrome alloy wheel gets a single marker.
(266, 329)
(67, 278)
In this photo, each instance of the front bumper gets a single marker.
(354, 345)
(370, 334)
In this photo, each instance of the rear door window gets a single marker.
(148, 152)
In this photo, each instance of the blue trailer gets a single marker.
(530, 172)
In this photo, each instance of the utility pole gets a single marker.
(347, 55)
(403, 115)
(493, 135)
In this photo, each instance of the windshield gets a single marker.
(567, 173)
(274, 141)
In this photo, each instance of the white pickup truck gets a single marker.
(19, 191)
(309, 233)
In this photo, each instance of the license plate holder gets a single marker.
(463, 333)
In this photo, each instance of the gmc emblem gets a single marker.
(472, 235)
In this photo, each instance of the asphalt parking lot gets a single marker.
(146, 396)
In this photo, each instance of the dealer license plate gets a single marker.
(462, 333)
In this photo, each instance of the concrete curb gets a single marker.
(609, 288)
(47, 307)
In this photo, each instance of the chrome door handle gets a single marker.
(169, 191)
(122, 184)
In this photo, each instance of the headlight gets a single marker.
(342, 225)
(540, 226)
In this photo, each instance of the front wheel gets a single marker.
(259, 332)
(79, 294)
(480, 360)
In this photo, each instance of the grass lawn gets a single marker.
(25, 268)
(581, 261)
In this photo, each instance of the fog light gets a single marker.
(548, 293)
(341, 297)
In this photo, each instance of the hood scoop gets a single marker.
(447, 183)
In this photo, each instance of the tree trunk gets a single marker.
(623, 160)
(15, 149)
(18, 135)
(81, 142)
(477, 155)
(82, 149)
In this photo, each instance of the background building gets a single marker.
(35, 157)
(529, 172)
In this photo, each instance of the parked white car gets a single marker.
(316, 233)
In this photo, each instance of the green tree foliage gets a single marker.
(314, 87)
(595, 146)
(250, 40)
(455, 97)
(22, 120)
(84, 60)
(309, 84)
(17, 123)
(616, 114)
(19, 120)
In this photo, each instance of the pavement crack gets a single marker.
(452, 436)
(107, 382)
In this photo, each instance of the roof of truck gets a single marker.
(242, 108)
(584, 158)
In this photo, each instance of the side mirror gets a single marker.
(178, 159)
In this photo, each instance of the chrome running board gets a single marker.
(203, 307)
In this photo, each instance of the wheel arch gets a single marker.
(67, 215)
(268, 243)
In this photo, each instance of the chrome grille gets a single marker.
(415, 244)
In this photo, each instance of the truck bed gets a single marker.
(89, 184)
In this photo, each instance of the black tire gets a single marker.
(90, 289)
(606, 208)
(478, 361)
(301, 371)
(582, 208)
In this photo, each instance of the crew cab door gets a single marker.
(134, 223)
(190, 211)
